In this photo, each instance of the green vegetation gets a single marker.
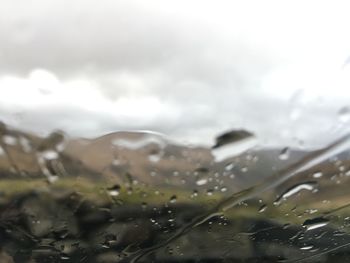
(99, 194)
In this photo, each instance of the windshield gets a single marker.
(174, 131)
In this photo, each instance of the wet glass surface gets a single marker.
(174, 131)
(139, 197)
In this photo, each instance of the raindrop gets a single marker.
(25, 143)
(223, 189)
(52, 178)
(244, 169)
(232, 137)
(155, 156)
(173, 199)
(194, 194)
(64, 256)
(9, 140)
(294, 190)
(315, 223)
(110, 239)
(232, 143)
(135, 182)
(306, 247)
(170, 250)
(210, 192)
(116, 162)
(201, 181)
(311, 211)
(317, 175)
(284, 154)
(114, 190)
(142, 142)
(55, 141)
(262, 208)
(50, 155)
(229, 166)
(344, 114)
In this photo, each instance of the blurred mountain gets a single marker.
(143, 158)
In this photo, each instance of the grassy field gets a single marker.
(100, 193)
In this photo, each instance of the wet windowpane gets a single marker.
(179, 131)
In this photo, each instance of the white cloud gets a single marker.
(190, 69)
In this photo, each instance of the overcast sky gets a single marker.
(188, 69)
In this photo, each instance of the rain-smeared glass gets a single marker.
(140, 197)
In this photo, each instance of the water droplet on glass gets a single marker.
(202, 181)
(114, 190)
(317, 175)
(64, 256)
(244, 169)
(143, 141)
(194, 194)
(232, 137)
(116, 162)
(210, 192)
(229, 166)
(155, 156)
(294, 190)
(52, 178)
(26, 145)
(9, 140)
(315, 223)
(262, 208)
(50, 155)
(284, 154)
(55, 141)
(173, 199)
(232, 143)
(306, 247)
(344, 114)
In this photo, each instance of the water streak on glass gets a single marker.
(139, 197)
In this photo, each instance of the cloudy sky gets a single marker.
(188, 69)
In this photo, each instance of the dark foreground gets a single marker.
(39, 227)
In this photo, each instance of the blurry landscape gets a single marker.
(136, 196)
(174, 131)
